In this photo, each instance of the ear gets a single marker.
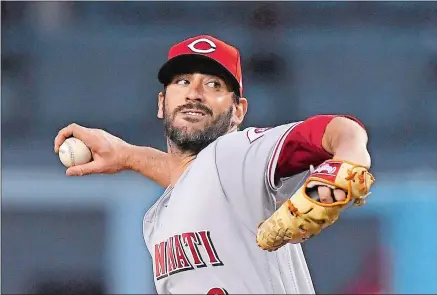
(240, 111)
(160, 114)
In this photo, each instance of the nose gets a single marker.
(195, 91)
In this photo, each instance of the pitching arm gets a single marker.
(111, 154)
(150, 162)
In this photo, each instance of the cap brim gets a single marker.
(196, 63)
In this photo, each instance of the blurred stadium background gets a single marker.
(95, 63)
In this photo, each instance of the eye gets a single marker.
(214, 84)
(182, 82)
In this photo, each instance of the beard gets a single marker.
(196, 140)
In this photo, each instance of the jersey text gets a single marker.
(171, 255)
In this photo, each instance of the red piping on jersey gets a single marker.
(278, 145)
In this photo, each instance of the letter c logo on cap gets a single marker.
(211, 44)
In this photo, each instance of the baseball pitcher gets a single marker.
(238, 203)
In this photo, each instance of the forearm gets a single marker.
(347, 140)
(150, 162)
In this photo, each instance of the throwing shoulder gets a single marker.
(249, 136)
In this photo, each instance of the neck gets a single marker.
(179, 161)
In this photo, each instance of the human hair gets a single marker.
(236, 97)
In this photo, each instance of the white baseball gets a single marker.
(74, 152)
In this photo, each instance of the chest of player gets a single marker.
(197, 200)
(183, 230)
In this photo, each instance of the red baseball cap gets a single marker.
(204, 54)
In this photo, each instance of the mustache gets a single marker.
(193, 106)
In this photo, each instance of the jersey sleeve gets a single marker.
(254, 163)
(299, 148)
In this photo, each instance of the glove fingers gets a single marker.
(287, 225)
(316, 205)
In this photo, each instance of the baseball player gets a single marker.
(238, 203)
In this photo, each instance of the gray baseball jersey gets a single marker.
(201, 233)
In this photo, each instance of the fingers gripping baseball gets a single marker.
(108, 151)
(73, 130)
(93, 167)
(317, 205)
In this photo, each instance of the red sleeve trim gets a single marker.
(299, 147)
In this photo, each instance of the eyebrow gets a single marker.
(208, 75)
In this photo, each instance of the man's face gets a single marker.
(197, 109)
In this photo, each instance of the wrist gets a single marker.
(357, 155)
(128, 157)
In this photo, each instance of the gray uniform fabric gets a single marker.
(201, 232)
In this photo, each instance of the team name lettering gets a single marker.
(185, 252)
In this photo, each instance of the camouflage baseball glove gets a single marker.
(302, 217)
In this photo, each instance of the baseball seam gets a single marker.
(70, 149)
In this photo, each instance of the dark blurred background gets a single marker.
(96, 63)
